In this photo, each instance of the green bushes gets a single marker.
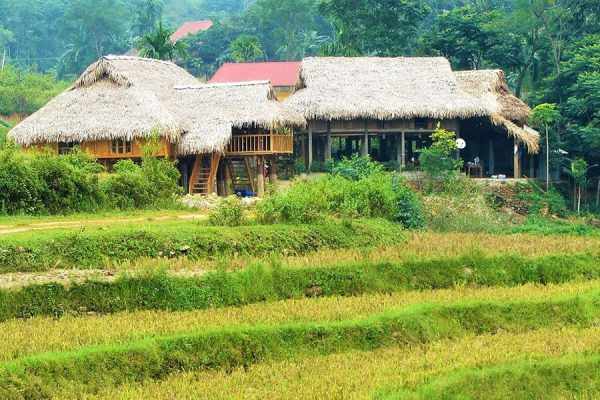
(34, 183)
(41, 183)
(543, 203)
(259, 283)
(230, 212)
(99, 247)
(357, 188)
(95, 368)
(154, 183)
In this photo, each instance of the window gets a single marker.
(421, 123)
(66, 147)
(120, 146)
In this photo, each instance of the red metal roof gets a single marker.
(279, 73)
(191, 28)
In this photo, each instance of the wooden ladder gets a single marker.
(242, 174)
(204, 173)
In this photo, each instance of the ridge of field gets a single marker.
(161, 291)
(96, 248)
(566, 377)
(228, 348)
(360, 374)
(21, 338)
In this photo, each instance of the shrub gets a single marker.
(358, 188)
(549, 202)
(357, 167)
(230, 212)
(153, 183)
(437, 161)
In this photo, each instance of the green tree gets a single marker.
(437, 161)
(378, 27)
(545, 115)
(578, 171)
(148, 14)
(158, 44)
(246, 48)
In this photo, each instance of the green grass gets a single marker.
(566, 377)
(161, 291)
(98, 247)
(91, 369)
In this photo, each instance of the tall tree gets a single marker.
(378, 27)
(158, 44)
(148, 13)
(246, 48)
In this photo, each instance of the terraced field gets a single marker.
(425, 316)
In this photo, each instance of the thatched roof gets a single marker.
(212, 111)
(381, 88)
(116, 97)
(508, 111)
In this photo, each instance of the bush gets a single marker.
(153, 183)
(410, 207)
(549, 202)
(230, 212)
(42, 183)
(437, 161)
(357, 167)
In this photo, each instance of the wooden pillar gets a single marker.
(220, 179)
(328, 142)
(226, 177)
(516, 166)
(310, 145)
(403, 150)
(492, 158)
(365, 146)
(260, 178)
(273, 178)
(303, 149)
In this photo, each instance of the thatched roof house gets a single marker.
(129, 98)
(381, 88)
(117, 97)
(212, 111)
(507, 110)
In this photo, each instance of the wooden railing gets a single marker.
(260, 144)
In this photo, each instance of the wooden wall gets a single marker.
(101, 149)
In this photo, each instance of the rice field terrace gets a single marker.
(175, 309)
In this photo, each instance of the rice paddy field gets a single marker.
(346, 311)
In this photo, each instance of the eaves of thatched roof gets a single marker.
(116, 97)
(381, 88)
(210, 113)
(507, 110)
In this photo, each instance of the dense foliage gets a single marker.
(357, 187)
(43, 183)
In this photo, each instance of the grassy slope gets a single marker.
(235, 347)
(19, 338)
(360, 375)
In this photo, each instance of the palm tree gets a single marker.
(245, 48)
(158, 44)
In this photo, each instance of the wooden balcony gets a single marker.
(262, 144)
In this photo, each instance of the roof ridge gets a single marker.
(112, 57)
(227, 84)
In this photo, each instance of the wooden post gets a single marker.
(273, 178)
(492, 157)
(531, 166)
(365, 146)
(516, 169)
(310, 145)
(260, 179)
(403, 150)
(328, 142)
(303, 149)
(226, 177)
(348, 152)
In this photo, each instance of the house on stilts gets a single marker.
(388, 108)
(220, 133)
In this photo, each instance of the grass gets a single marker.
(230, 348)
(262, 284)
(20, 338)
(360, 374)
(96, 248)
(568, 377)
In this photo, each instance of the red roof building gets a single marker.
(191, 28)
(282, 75)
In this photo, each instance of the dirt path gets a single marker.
(67, 277)
(6, 229)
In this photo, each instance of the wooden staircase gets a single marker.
(204, 173)
(242, 174)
